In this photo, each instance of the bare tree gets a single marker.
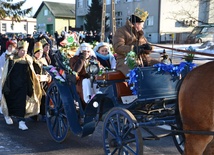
(202, 13)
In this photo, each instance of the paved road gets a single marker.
(37, 141)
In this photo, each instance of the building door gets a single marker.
(49, 28)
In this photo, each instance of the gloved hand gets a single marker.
(82, 56)
(143, 49)
(147, 46)
(138, 49)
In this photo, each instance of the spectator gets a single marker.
(56, 35)
(60, 39)
(47, 53)
(31, 42)
(3, 43)
(89, 37)
(110, 38)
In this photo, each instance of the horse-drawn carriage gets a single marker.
(124, 115)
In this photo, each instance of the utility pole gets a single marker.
(102, 38)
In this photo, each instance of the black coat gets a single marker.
(3, 44)
(20, 85)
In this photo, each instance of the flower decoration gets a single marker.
(65, 62)
(189, 57)
(69, 46)
(94, 43)
(65, 65)
(133, 80)
(130, 60)
(58, 77)
(56, 74)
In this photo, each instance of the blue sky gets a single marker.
(36, 3)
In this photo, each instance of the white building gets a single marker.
(167, 18)
(25, 26)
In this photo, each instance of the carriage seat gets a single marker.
(111, 75)
(118, 78)
(123, 89)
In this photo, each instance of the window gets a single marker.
(45, 12)
(150, 21)
(25, 27)
(119, 22)
(117, 1)
(4, 27)
(35, 28)
(89, 2)
(129, 0)
(80, 4)
(108, 2)
(118, 14)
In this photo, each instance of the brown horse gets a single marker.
(196, 105)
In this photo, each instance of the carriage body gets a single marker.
(154, 104)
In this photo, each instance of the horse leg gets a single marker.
(210, 148)
(196, 144)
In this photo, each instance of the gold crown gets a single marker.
(37, 46)
(23, 44)
(44, 42)
(141, 14)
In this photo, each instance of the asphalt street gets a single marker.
(37, 141)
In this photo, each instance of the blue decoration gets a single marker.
(174, 70)
(133, 80)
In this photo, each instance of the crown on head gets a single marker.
(37, 46)
(141, 14)
(23, 44)
(44, 42)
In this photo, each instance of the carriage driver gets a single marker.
(130, 37)
(78, 63)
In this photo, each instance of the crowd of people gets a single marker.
(24, 81)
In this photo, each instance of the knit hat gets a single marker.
(11, 42)
(37, 47)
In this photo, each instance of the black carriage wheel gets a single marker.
(56, 119)
(120, 134)
(178, 139)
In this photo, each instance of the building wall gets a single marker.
(211, 14)
(168, 16)
(46, 20)
(26, 26)
(81, 11)
(63, 24)
(43, 19)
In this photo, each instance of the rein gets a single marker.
(184, 51)
(195, 132)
